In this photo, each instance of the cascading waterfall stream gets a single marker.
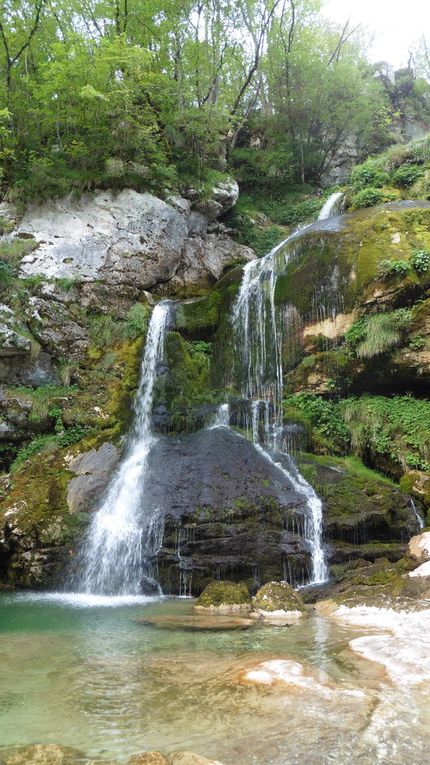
(124, 535)
(259, 329)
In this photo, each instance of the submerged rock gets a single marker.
(43, 754)
(148, 758)
(224, 598)
(289, 673)
(190, 758)
(196, 622)
(278, 600)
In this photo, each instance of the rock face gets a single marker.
(128, 239)
(278, 600)
(224, 598)
(93, 470)
(227, 513)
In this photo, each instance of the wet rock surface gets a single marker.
(225, 511)
(93, 470)
(197, 622)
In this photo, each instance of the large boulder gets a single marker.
(224, 598)
(129, 240)
(278, 600)
(419, 547)
(92, 470)
(223, 196)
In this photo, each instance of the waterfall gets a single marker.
(260, 329)
(332, 206)
(124, 535)
(417, 514)
(222, 417)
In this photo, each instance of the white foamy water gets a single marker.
(222, 417)
(403, 648)
(332, 206)
(82, 599)
(125, 535)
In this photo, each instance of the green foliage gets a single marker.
(66, 283)
(151, 97)
(391, 431)
(61, 439)
(105, 330)
(370, 196)
(287, 213)
(36, 445)
(261, 239)
(420, 261)
(136, 321)
(397, 428)
(391, 269)
(368, 177)
(322, 415)
(377, 333)
(406, 175)
(417, 343)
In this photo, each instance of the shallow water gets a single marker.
(77, 670)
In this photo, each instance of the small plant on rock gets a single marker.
(389, 269)
(420, 261)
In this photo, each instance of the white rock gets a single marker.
(423, 570)
(419, 547)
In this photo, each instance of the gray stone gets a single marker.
(129, 238)
(93, 470)
(205, 259)
(223, 197)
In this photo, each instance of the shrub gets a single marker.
(420, 261)
(370, 174)
(136, 321)
(104, 330)
(368, 197)
(389, 269)
(286, 213)
(406, 175)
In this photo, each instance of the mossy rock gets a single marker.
(224, 597)
(277, 599)
(344, 263)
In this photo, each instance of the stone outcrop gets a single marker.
(278, 600)
(129, 239)
(93, 470)
(224, 598)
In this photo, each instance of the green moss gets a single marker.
(225, 593)
(186, 384)
(201, 316)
